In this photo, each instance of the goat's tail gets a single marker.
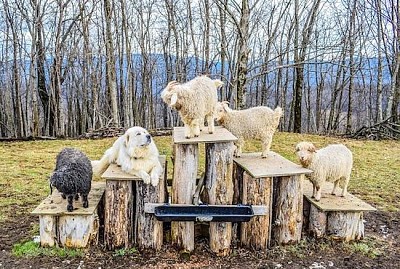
(100, 166)
(277, 115)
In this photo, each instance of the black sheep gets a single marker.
(72, 176)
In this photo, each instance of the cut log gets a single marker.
(219, 185)
(287, 216)
(317, 222)
(345, 226)
(335, 216)
(48, 231)
(76, 229)
(256, 191)
(119, 222)
(149, 231)
(183, 188)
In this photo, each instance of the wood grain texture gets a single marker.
(317, 222)
(346, 226)
(78, 231)
(256, 191)
(220, 135)
(149, 231)
(329, 202)
(118, 217)
(219, 186)
(48, 230)
(274, 165)
(287, 215)
(183, 188)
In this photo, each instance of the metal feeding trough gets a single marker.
(217, 213)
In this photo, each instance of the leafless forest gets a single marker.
(69, 66)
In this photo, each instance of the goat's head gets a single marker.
(305, 152)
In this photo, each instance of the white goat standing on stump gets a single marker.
(332, 163)
(195, 100)
(252, 123)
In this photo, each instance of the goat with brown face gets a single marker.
(195, 101)
(332, 163)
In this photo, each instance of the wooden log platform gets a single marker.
(218, 181)
(125, 222)
(334, 216)
(276, 183)
(76, 229)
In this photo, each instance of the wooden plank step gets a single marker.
(274, 165)
(114, 172)
(219, 136)
(330, 202)
(55, 205)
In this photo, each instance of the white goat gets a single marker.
(253, 123)
(195, 100)
(332, 163)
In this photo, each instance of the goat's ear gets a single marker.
(313, 148)
(225, 105)
(171, 84)
(174, 99)
(218, 83)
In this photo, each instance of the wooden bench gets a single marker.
(76, 229)
(278, 184)
(125, 222)
(335, 216)
(218, 184)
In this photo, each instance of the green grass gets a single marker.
(26, 166)
(32, 249)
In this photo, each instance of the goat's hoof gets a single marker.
(63, 196)
(187, 137)
(76, 197)
(196, 135)
(332, 193)
(264, 157)
(70, 208)
(86, 204)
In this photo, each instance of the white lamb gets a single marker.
(253, 123)
(195, 100)
(332, 163)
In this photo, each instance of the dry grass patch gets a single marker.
(26, 166)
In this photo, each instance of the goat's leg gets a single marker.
(85, 201)
(210, 124)
(76, 197)
(346, 182)
(335, 185)
(70, 206)
(318, 194)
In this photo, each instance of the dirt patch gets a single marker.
(382, 233)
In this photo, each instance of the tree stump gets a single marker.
(287, 214)
(183, 188)
(76, 229)
(276, 184)
(338, 217)
(126, 222)
(119, 216)
(219, 185)
(149, 231)
(256, 191)
(345, 226)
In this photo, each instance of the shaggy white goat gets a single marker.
(253, 123)
(194, 100)
(332, 163)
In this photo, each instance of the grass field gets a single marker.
(26, 166)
